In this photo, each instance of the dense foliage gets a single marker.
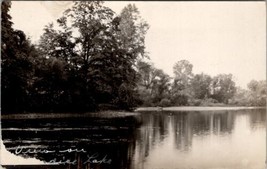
(93, 59)
(17, 59)
(187, 89)
(255, 95)
(84, 62)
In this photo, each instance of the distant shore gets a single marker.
(114, 114)
(194, 108)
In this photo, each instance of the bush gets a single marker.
(165, 102)
(211, 102)
(179, 100)
(195, 102)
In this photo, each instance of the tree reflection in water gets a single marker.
(166, 139)
(131, 142)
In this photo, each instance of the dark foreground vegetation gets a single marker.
(92, 59)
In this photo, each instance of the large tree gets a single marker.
(183, 75)
(183, 72)
(153, 84)
(161, 86)
(98, 51)
(132, 31)
(222, 87)
(17, 57)
(146, 74)
(200, 86)
(257, 93)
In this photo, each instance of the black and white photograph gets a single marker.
(133, 85)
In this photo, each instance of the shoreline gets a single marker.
(195, 108)
(102, 114)
(118, 114)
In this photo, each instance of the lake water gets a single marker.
(147, 140)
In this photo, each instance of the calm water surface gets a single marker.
(150, 140)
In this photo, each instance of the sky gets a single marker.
(216, 37)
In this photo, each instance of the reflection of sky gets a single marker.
(242, 147)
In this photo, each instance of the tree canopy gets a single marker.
(86, 59)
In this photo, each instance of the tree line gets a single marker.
(92, 59)
(156, 88)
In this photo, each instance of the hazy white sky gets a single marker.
(216, 37)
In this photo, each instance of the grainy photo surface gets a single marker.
(133, 85)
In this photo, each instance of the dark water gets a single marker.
(151, 140)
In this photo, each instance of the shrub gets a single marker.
(211, 102)
(165, 102)
(195, 102)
